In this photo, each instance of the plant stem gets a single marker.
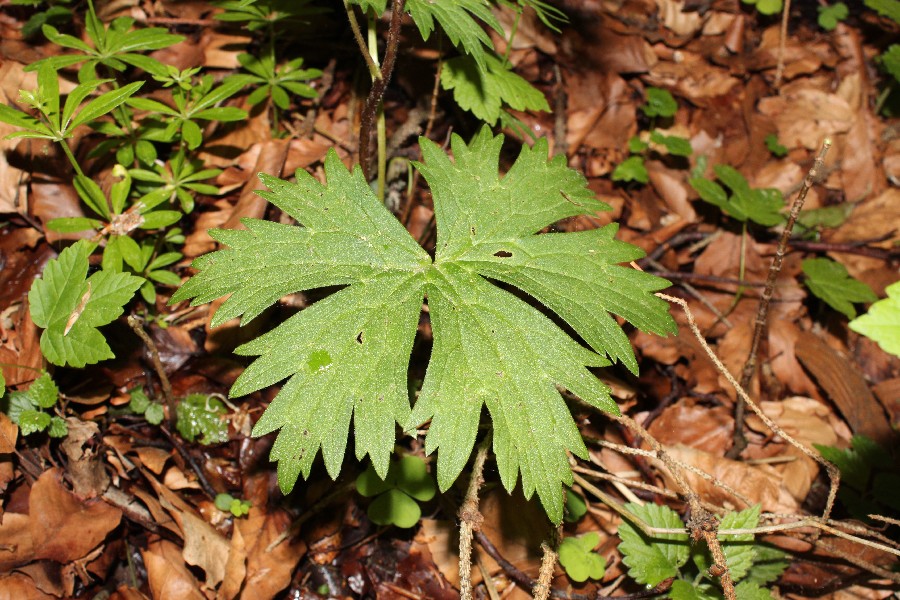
(68, 153)
(374, 71)
(470, 520)
(137, 326)
(379, 85)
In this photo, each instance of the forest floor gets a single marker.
(820, 382)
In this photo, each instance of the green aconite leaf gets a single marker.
(71, 306)
(346, 356)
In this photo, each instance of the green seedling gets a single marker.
(829, 281)
(115, 47)
(199, 102)
(70, 306)
(882, 323)
(660, 103)
(141, 404)
(29, 409)
(228, 503)
(774, 146)
(348, 354)
(277, 84)
(266, 14)
(397, 495)
(55, 13)
(58, 125)
(201, 415)
(762, 206)
(831, 15)
(577, 556)
(575, 507)
(766, 7)
(176, 180)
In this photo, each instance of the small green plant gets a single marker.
(829, 281)
(882, 322)
(775, 147)
(58, 125)
(651, 560)
(762, 206)
(660, 103)
(766, 7)
(29, 409)
(55, 13)
(228, 503)
(115, 47)
(348, 354)
(178, 179)
(397, 495)
(575, 507)
(194, 100)
(832, 14)
(201, 415)
(869, 477)
(141, 404)
(70, 306)
(577, 556)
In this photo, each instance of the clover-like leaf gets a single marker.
(577, 557)
(71, 306)
(347, 355)
(829, 281)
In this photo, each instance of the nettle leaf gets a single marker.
(348, 354)
(740, 551)
(651, 560)
(829, 281)
(70, 306)
(882, 322)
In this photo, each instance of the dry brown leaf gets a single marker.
(703, 428)
(235, 568)
(16, 541)
(759, 484)
(63, 527)
(9, 432)
(805, 113)
(153, 458)
(167, 574)
(205, 547)
(268, 572)
(18, 586)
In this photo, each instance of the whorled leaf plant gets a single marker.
(348, 354)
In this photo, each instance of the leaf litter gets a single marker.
(66, 529)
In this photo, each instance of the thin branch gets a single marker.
(740, 442)
(782, 38)
(541, 588)
(833, 474)
(137, 326)
(379, 86)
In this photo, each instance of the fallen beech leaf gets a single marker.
(235, 567)
(18, 586)
(63, 527)
(8, 434)
(167, 574)
(268, 572)
(204, 547)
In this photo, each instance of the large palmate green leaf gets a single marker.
(347, 355)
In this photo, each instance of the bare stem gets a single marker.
(361, 42)
(137, 326)
(378, 87)
(470, 520)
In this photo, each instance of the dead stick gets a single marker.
(379, 86)
(137, 326)
(762, 313)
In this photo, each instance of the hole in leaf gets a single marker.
(502, 254)
(359, 338)
(472, 230)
